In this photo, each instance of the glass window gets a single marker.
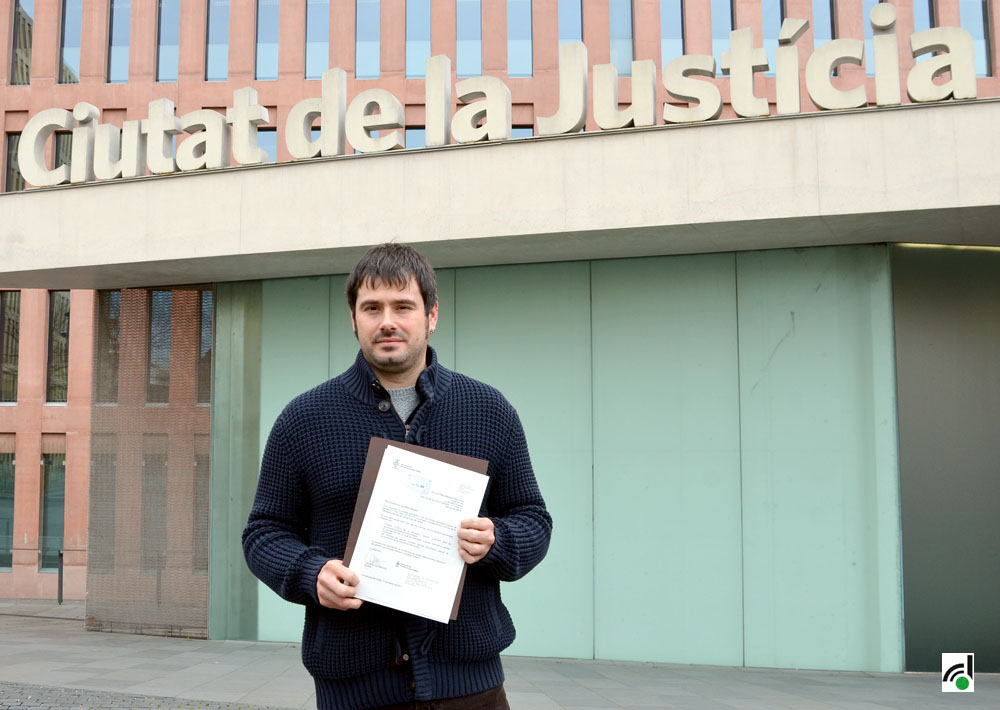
(205, 348)
(267, 138)
(620, 27)
(469, 30)
(72, 25)
(923, 15)
(103, 489)
(522, 131)
(20, 60)
(217, 48)
(10, 332)
(108, 345)
(154, 502)
(866, 9)
(119, 13)
(58, 367)
(519, 38)
(13, 181)
(722, 25)
(671, 30)
(317, 38)
(823, 26)
(267, 39)
(158, 362)
(168, 32)
(6, 505)
(570, 21)
(416, 138)
(367, 63)
(53, 508)
(772, 15)
(975, 19)
(64, 148)
(418, 36)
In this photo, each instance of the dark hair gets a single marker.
(393, 264)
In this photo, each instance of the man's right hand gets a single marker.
(336, 586)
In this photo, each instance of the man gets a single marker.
(363, 655)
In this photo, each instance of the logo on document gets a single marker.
(957, 672)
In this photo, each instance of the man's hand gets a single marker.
(475, 538)
(336, 586)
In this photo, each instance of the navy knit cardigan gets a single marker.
(309, 480)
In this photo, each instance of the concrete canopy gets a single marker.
(915, 173)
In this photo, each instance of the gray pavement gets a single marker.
(48, 660)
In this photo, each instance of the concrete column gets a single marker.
(443, 29)
(242, 41)
(94, 41)
(45, 37)
(292, 41)
(393, 38)
(343, 19)
(32, 356)
(697, 27)
(77, 427)
(494, 19)
(193, 36)
(142, 44)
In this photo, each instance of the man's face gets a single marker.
(392, 328)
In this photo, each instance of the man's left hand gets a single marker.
(475, 538)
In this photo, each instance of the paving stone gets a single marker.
(21, 696)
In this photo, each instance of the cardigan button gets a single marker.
(384, 405)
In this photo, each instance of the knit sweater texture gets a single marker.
(309, 480)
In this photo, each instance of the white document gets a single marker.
(407, 550)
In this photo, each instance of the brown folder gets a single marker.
(376, 450)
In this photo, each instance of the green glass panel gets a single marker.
(820, 474)
(526, 330)
(666, 461)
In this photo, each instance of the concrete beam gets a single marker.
(916, 173)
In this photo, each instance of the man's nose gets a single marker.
(387, 321)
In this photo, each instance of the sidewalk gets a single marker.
(45, 652)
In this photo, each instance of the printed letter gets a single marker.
(642, 112)
(572, 113)
(957, 55)
(679, 84)
(786, 66)
(437, 101)
(821, 65)
(740, 63)
(81, 162)
(31, 149)
(245, 116)
(119, 153)
(209, 146)
(160, 129)
(330, 110)
(886, 51)
(482, 120)
(375, 110)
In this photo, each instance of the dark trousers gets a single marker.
(493, 699)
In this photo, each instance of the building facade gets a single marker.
(717, 332)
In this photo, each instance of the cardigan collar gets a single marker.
(432, 382)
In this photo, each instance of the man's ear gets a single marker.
(433, 317)
(354, 325)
